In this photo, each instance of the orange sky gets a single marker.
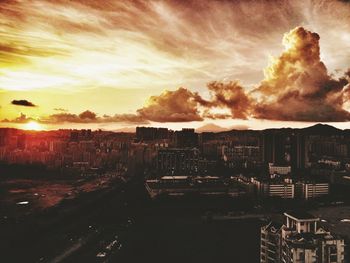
(83, 64)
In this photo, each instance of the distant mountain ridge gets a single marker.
(211, 127)
(319, 128)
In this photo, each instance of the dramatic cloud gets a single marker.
(62, 44)
(87, 115)
(230, 95)
(182, 105)
(172, 106)
(138, 48)
(297, 86)
(91, 117)
(23, 103)
(66, 117)
(84, 117)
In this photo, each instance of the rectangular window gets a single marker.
(333, 258)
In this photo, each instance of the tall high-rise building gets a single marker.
(186, 138)
(150, 133)
(300, 239)
(276, 147)
(299, 152)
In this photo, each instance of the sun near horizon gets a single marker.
(33, 126)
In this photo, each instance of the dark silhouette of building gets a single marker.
(299, 152)
(150, 133)
(175, 161)
(276, 147)
(186, 138)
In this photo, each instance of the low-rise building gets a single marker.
(279, 169)
(305, 190)
(286, 188)
(275, 188)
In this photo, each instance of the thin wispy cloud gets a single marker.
(216, 51)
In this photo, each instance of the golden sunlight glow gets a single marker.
(288, 41)
(26, 80)
(59, 59)
(33, 126)
(269, 71)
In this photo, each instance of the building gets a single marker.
(277, 147)
(271, 242)
(193, 185)
(300, 240)
(298, 152)
(331, 163)
(305, 190)
(279, 169)
(286, 188)
(177, 161)
(275, 188)
(186, 138)
(235, 155)
(150, 133)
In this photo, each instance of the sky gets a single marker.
(120, 64)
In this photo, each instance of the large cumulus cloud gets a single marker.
(172, 106)
(183, 105)
(297, 86)
(232, 96)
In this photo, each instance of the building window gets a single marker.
(333, 250)
(333, 258)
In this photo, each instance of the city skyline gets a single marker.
(174, 64)
(115, 196)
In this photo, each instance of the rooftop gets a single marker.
(176, 177)
(301, 215)
(273, 226)
(311, 238)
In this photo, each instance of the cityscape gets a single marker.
(175, 131)
(282, 181)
